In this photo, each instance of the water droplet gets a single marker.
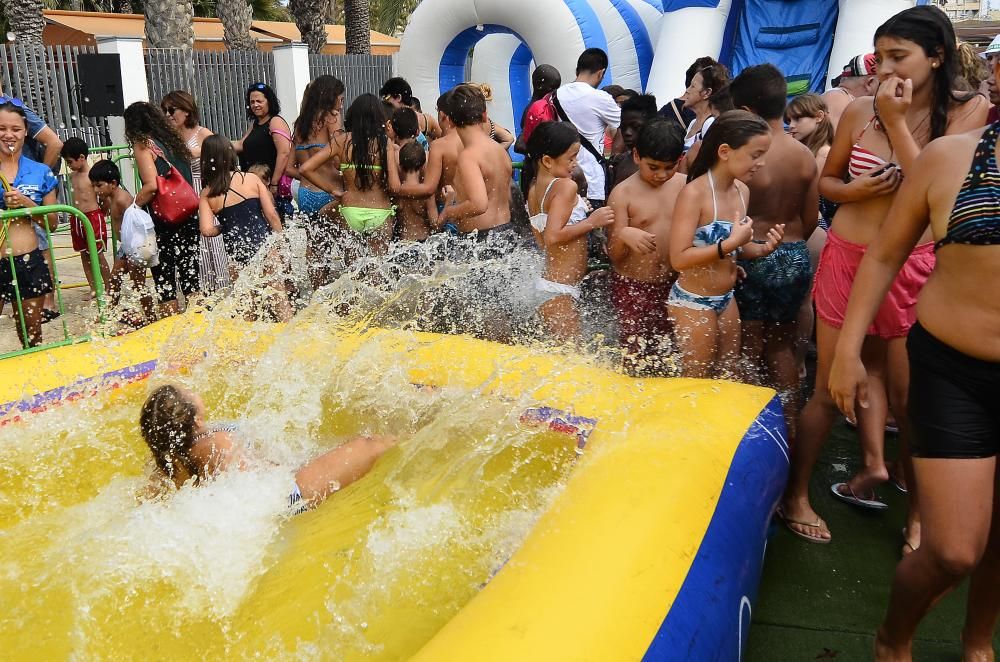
(73, 118)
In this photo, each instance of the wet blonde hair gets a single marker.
(811, 105)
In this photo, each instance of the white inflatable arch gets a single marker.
(499, 59)
(435, 46)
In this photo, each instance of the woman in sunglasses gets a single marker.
(182, 111)
(267, 142)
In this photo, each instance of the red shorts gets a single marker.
(838, 264)
(644, 327)
(97, 223)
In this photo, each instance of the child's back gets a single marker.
(414, 214)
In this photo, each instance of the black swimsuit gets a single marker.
(244, 227)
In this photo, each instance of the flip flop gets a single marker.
(898, 485)
(855, 500)
(49, 315)
(818, 524)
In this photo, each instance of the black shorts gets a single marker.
(31, 272)
(179, 247)
(953, 400)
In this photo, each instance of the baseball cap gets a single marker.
(993, 48)
(860, 65)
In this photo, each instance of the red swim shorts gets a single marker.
(97, 223)
(838, 264)
(644, 325)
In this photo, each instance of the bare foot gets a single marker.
(89, 296)
(910, 544)
(886, 653)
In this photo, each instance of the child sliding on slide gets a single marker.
(710, 229)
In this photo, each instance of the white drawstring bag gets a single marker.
(139, 238)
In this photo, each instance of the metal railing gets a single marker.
(9, 215)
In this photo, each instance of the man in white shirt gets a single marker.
(593, 112)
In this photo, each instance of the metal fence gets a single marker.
(360, 73)
(217, 79)
(46, 78)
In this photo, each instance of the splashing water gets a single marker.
(222, 570)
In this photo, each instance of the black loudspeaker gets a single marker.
(99, 77)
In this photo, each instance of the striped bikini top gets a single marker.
(862, 160)
(975, 217)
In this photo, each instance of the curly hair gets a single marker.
(144, 122)
(319, 100)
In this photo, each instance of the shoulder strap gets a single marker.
(587, 145)
(715, 205)
(541, 205)
(677, 112)
(281, 132)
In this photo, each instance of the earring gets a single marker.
(934, 65)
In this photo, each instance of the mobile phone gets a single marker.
(884, 168)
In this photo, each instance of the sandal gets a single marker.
(855, 500)
(819, 524)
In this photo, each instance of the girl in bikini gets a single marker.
(877, 141)
(320, 120)
(710, 229)
(366, 213)
(186, 448)
(560, 224)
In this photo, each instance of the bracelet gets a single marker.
(722, 254)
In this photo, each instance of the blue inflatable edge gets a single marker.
(709, 618)
(640, 39)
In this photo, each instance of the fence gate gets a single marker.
(217, 79)
(45, 77)
(360, 73)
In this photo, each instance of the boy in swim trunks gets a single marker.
(638, 244)
(636, 111)
(783, 191)
(74, 152)
(483, 177)
(114, 200)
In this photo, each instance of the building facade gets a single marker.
(961, 10)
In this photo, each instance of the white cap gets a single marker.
(993, 48)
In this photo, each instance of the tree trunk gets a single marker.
(357, 27)
(332, 18)
(309, 18)
(169, 23)
(25, 20)
(236, 16)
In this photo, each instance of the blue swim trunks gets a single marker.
(776, 285)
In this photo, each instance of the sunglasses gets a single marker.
(14, 101)
(169, 110)
(258, 86)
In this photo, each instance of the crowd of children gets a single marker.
(728, 217)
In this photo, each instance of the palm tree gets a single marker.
(25, 20)
(357, 27)
(389, 16)
(236, 16)
(169, 23)
(310, 19)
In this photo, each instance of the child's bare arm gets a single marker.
(754, 249)
(622, 238)
(206, 216)
(810, 203)
(432, 212)
(310, 169)
(560, 206)
(267, 205)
